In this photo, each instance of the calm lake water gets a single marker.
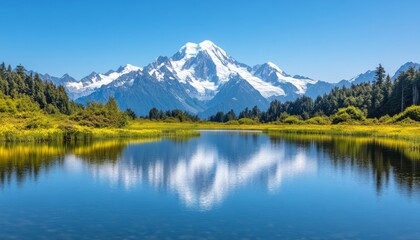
(221, 185)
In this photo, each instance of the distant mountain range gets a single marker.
(202, 79)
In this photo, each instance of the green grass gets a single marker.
(38, 127)
(409, 131)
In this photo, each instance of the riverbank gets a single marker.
(400, 131)
(404, 137)
(59, 128)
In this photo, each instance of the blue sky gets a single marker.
(327, 39)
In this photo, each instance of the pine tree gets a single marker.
(379, 75)
(39, 95)
(29, 83)
(3, 70)
(377, 94)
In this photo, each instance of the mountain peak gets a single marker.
(274, 66)
(207, 44)
(128, 68)
(190, 50)
(67, 76)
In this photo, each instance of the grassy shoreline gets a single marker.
(408, 132)
(405, 138)
(60, 129)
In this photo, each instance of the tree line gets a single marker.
(172, 115)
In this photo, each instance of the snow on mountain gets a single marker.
(202, 68)
(273, 74)
(206, 67)
(200, 78)
(94, 81)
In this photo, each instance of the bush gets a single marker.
(385, 119)
(51, 109)
(232, 122)
(319, 120)
(247, 121)
(171, 120)
(348, 114)
(102, 115)
(407, 121)
(7, 106)
(339, 118)
(412, 112)
(371, 121)
(38, 123)
(292, 120)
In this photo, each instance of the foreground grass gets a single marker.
(39, 127)
(409, 132)
(58, 128)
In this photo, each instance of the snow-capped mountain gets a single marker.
(204, 67)
(271, 73)
(89, 84)
(196, 78)
(200, 78)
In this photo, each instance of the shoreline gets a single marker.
(153, 129)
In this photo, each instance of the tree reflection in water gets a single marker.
(381, 159)
(203, 171)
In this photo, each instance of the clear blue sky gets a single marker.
(327, 39)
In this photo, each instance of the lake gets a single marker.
(221, 185)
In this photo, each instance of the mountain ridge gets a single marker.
(194, 79)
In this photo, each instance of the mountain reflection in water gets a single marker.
(203, 176)
(203, 171)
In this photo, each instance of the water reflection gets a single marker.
(376, 158)
(204, 171)
(206, 177)
(23, 162)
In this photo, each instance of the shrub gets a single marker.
(292, 120)
(37, 123)
(51, 109)
(407, 121)
(102, 115)
(247, 121)
(232, 122)
(7, 105)
(348, 114)
(371, 121)
(385, 119)
(339, 118)
(171, 120)
(319, 120)
(412, 112)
